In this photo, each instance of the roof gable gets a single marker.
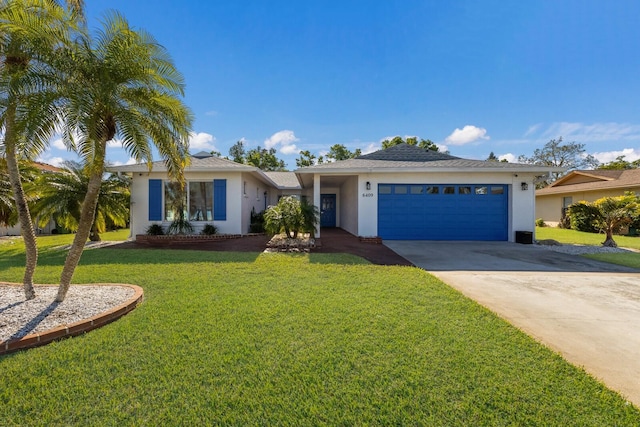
(407, 153)
(410, 158)
(582, 176)
(623, 180)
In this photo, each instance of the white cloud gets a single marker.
(371, 148)
(466, 135)
(115, 143)
(131, 161)
(595, 132)
(211, 113)
(532, 129)
(57, 143)
(511, 158)
(283, 137)
(630, 154)
(54, 161)
(201, 141)
(442, 147)
(289, 149)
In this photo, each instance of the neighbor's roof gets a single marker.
(46, 167)
(593, 180)
(285, 180)
(410, 158)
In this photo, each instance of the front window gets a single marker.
(201, 201)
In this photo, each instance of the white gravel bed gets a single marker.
(584, 249)
(19, 317)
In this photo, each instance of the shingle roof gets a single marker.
(405, 157)
(407, 153)
(602, 180)
(211, 163)
(285, 180)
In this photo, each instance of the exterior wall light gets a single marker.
(368, 185)
(524, 186)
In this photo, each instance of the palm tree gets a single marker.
(28, 174)
(121, 83)
(61, 196)
(30, 31)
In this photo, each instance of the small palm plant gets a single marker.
(291, 216)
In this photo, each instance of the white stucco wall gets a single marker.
(521, 203)
(347, 209)
(140, 202)
(252, 198)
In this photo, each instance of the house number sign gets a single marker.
(367, 194)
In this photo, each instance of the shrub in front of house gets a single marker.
(155, 230)
(583, 216)
(209, 230)
(256, 225)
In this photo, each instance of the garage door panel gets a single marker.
(443, 212)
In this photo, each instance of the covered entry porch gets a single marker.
(336, 197)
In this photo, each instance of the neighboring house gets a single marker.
(51, 226)
(404, 192)
(583, 185)
(219, 192)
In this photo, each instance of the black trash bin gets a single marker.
(525, 237)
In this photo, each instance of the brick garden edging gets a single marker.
(188, 238)
(76, 328)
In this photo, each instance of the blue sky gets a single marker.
(473, 76)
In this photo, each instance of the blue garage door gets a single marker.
(443, 212)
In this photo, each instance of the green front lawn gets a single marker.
(276, 339)
(630, 259)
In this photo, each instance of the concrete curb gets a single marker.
(77, 328)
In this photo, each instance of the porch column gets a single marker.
(316, 198)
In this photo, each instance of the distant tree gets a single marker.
(620, 164)
(412, 140)
(265, 159)
(493, 158)
(611, 213)
(570, 155)
(215, 153)
(238, 153)
(340, 152)
(307, 158)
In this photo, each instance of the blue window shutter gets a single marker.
(155, 200)
(219, 199)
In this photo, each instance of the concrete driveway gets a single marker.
(587, 311)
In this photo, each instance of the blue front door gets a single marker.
(327, 210)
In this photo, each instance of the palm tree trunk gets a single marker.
(608, 241)
(94, 236)
(84, 225)
(26, 225)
